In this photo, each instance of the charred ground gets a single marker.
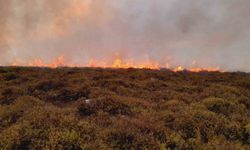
(91, 108)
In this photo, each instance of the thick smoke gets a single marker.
(211, 32)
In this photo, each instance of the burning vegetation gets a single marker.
(116, 63)
(95, 108)
(138, 74)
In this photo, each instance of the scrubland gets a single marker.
(94, 108)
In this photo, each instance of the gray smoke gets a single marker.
(212, 32)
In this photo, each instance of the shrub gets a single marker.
(246, 134)
(43, 127)
(12, 113)
(221, 106)
(69, 94)
(111, 105)
(121, 140)
(94, 108)
(175, 141)
(65, 139)
(245, 101)
(10, 94)
(127, 133)
(10, 76)
(49, 85)
(3, 70)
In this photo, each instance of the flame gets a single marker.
(92, 63)
(205, 69)
(118, 62)
(60, 61)
(209, 69)
(37, 62)
(178, 69)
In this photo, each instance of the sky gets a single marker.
(208, 32)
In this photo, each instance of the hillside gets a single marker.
(94, 108)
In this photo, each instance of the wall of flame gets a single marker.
(126, 33)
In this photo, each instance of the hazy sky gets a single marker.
(212, 32)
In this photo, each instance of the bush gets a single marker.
(246, 134)
(10, 76)
(94, 108)
(246, 102)
(65, 139)
(12, 113)
(221, 106)
(10, 94)
(121, 140)
(49, 85)
(111, 105)
(69, 95)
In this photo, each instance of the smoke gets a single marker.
(211, 32)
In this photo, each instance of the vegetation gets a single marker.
(93, 108)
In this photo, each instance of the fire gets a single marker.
(209, 69)
(58, 62)
(116, 63)
(37, 62)
(205, 69)
(119, 63)
(178, 69)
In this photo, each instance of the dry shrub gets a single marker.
(111, 105)
(225, 107)
(94, 108)
(246, 134)
(245, 101)
(132, 134)
(10, 94)
(49, 85)
(12, 113)
(10, 76)
(69, 94)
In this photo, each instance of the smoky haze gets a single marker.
(211, 32)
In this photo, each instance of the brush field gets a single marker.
(94, 108)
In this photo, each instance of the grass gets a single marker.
(94, 108)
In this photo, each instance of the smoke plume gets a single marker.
(209, 32)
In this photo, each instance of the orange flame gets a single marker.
(116, 63)
(119, 63)
(178, 69)
(205, 69)
(58, 62)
